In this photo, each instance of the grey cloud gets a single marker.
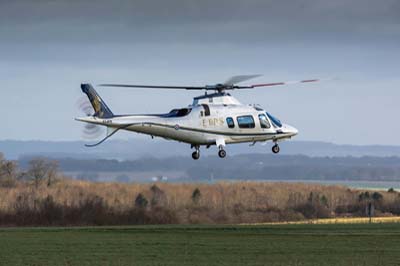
(193, 10)
(192, 20)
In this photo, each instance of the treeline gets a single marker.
(38, 170)
(78, 203)
(248, 167)
(41, 196)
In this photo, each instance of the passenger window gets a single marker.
(246, 121)
(264, 123)
(230, 122)
(206, 110)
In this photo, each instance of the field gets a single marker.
(329, 244)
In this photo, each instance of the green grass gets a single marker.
(363, 244)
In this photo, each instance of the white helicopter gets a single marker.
(212, 119)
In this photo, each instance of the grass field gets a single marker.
(317, 244)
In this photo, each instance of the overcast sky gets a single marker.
(47, 48)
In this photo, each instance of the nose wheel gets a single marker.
(196, 155)
(275, 148)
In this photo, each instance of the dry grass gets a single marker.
(343, 220)
(224, 202)
(220, 195)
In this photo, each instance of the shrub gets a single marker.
(377, 197)
(158, 197)
(364, 196)
(50, 213)
(196, 195)
(315, 207)
(141, 202)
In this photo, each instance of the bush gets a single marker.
(196, 195)
(141, 202)
(50, 213)
(377, 197)
(315, 207)
(158, 197)
(350, 209)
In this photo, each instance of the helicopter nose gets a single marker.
(292, 131)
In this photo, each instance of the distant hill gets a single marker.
(235, 167)
(142, 159)
(141, 147)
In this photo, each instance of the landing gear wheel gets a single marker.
(222, 153)
(275, 148)
(196, 155)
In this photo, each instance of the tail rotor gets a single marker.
(89, 131)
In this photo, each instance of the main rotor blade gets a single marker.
(154, 87)
(276, 84)
(228, 85)
(237, 79)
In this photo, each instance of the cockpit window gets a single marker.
(275, 121)
(264, 123)
(179, 112)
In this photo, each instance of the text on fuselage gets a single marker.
(212, 122)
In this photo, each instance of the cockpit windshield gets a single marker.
(275, 121)
(179, 112)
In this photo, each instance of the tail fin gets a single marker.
(99, 106)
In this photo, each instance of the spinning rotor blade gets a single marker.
(154, 86)
(276, 84)
(84, 106)
(90, 131)
(231, 81)
(228, 85)
(237, 79)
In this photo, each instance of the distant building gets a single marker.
(159, 179)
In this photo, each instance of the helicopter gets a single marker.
(215, 118)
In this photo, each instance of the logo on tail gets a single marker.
(100, 108)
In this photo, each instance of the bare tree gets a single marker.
(41, 169)
(52, 172)
(8, 172)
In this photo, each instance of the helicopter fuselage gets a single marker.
(216, 119)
